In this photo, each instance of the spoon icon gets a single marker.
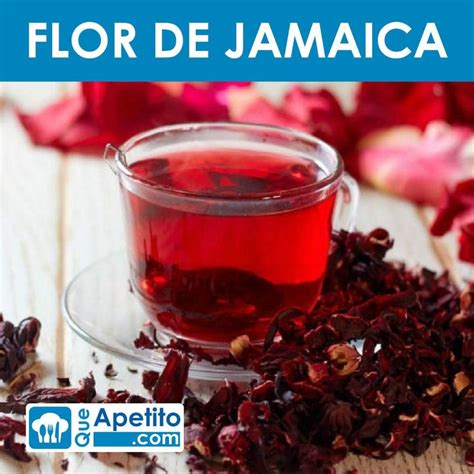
(41, 433)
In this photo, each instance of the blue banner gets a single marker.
(210, 40)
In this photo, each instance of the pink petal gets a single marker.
(208, 103)
(415, 165)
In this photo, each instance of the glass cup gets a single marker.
(228, 224)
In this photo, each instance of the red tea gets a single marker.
(214, 261)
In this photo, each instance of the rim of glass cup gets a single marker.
(332, 177)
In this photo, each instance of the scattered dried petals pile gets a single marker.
(385, 363)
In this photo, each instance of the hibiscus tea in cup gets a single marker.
(227, 225)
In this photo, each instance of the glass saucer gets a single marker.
(98, 305)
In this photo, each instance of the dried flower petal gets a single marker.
(243, 350)
(469, 456)
(143, 342)
(9, 428)
(172, 381)
(110, 372)
(83, 394)
(461, 381)
(344, 359)
(27, 334)
(25, 381)
(149, 379)
(15, 343)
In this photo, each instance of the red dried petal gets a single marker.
(83, 394)
(48, 126)
(224, 402)
(115, 105)
(171, 384)
(143, 342)
(322, 114)
(383, 105)
(456, 211)
(149, 379)
(233, 444)
(457, 207)
(16, 450)
(461, 97)
(469, 456)
(466, 243)
(9, 428)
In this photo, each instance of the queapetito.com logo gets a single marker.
(97, 427)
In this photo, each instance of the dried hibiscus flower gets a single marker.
(456, 211)
(15, 343)
(383, 364)
(9, 428)
(169, 387)
(85, 393)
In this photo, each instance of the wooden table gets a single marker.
(60, 213)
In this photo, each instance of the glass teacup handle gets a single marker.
(118, 155)
(347, 202)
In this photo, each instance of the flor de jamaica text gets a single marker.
(170, 40)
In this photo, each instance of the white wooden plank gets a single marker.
(30, 249)
(447, 249)
(402, 220)
(94, 228)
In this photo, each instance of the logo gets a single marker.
(49, 427)
(81, 427)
